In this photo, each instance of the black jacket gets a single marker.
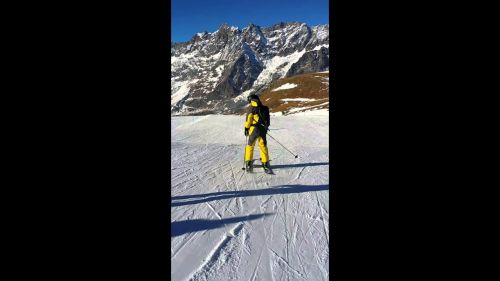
(264, 118)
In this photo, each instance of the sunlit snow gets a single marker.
(298, 99)
(227, 224)
(285, 87)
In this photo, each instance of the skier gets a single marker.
(256, 125)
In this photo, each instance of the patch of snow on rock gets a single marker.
(273, 65)
(243, 96)
(298, 99)
(297, 109)
(285, 87)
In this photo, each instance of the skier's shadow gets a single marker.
(187, 226)
(274, 167)
(281, 189)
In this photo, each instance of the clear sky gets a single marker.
(192, 16)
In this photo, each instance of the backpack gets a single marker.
(264, 118)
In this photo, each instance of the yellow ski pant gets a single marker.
(264, 154)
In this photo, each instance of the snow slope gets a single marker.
(231, 225)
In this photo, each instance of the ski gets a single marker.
(249, 169)
(268, 170)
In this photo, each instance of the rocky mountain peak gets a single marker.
(226, 27)
(214, 72)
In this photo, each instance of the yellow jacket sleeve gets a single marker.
(248, 122)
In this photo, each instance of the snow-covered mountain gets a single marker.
(215, 72)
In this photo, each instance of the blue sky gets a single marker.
(192, 16)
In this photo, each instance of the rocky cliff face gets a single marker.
(215, 72)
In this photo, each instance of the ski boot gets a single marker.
(249, 166)
(267, 168)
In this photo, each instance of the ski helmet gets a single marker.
(253, 97)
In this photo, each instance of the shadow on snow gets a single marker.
(188, 226)
(274, 167)
(281, 189)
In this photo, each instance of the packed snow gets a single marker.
(231, 225)
(285, 87)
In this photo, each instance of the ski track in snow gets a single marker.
(231, 225)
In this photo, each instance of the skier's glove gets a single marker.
(246, 131)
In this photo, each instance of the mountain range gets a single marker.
(213, 73)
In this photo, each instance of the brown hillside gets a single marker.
(311, 86)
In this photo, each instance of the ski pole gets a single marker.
(283, 146)
(244, 152)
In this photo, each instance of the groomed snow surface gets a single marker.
(231, 225)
